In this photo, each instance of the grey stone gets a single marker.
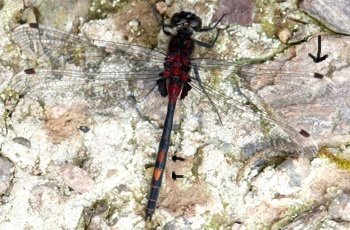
(333, 14)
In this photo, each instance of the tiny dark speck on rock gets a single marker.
(22, 141)
(84, 128)
(238, 11)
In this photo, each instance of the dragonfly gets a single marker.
(151, 80)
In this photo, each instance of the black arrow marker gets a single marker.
(174, 176)
(176, 158)
(318, 58)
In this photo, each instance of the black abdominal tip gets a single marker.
(148, 216)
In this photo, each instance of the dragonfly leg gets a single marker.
(154, 11)
(206, 45)
(166, 26)
(196, 73)
(211, 28)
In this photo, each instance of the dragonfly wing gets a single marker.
(98, 78)
(104, 91)
(108, 73)
(283, 87)
(59, 48)
(277, 85)
(265, 129)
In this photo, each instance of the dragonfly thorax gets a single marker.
(176, 66)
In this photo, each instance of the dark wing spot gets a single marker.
(34, 25)
(304, 133)
(318, 75)
(29, 71)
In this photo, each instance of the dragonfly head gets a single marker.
(186, 19)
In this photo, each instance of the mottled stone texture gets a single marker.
(333, 14)
(238, 11)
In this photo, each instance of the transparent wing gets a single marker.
(103, 70)
(267, 129)
(104, 90)
(60, 49)
(277, 85)
(97, 76)
(107, 90)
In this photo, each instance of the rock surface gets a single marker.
(61, 177)
(332, 14)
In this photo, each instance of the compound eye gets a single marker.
(195, 22)
(186, 18)
(175, 19)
